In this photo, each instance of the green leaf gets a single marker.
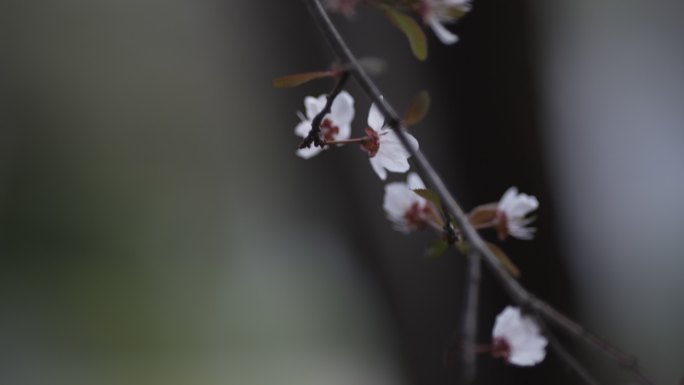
(505, 261)
(417, 109)
(436, 248)
(414, 33)
(299, 79)
(429, 195)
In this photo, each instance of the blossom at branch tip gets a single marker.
(346, 7)
(511, 214)
(385, 151)
(407, 210)
(437, 13)
(517, 339)
(335, 126)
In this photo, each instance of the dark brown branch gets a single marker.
(314, 136)
(518, 294)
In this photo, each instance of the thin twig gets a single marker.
(518, 293)
(469, 323)
(565, 355)
(314, 136)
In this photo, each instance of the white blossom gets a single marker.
(384, 149)
(517, 339)
(512, 212)
(436, 13)
(335, 126)
(346, 7)
(407, 210)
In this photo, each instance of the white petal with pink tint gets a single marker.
(341, 115)
(391, 154)
(516, 206)
(526, 346)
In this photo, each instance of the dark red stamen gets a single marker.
(328, 130)
(501, 348)
(417, 216)
(372, 144)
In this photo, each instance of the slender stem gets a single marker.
(348, 141)
(518, 293)
(469, 323)
(565, 355)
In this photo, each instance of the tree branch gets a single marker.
(565, 355)
(517, 293)
(469, 323)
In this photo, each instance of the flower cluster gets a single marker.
(410, 207)
(382, 144)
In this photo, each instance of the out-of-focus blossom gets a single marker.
(437, 13)
(335, 126)
(384, 149)
(511, 215)
(517, 339)
(346, 7)
(407, 210)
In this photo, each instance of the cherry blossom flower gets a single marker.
(384, 149)
(346, 7)
(511, 214)
(517, 339)
(335, 126)
(436, 13)
(407, 210)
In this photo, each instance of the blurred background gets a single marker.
(156, 226)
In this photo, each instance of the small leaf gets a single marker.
(483, 214)
(372, 65)
(429, 195)
(299, 79)
(505, 261)
(417, 109)
(436, 248)
(414, 33)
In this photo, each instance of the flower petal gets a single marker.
(342, 109)
(508, 198)
(375, 118)
(414, 182)
(302, 129)
(527, 345)
(376, 164)
(444, 35)
(307, 153)
(314, 105)
(399, 200)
